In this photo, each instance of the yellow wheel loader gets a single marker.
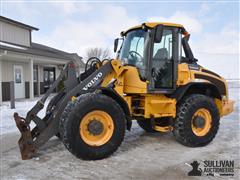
(154, 80)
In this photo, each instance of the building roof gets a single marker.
(35, 48)
(41, 50)
(11, 21)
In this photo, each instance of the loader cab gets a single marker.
(155, 52)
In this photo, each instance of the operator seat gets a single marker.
(161, 54)
(159, 58)
(161, 68)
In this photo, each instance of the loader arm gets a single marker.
(48, 126)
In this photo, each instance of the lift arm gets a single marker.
(48, 126)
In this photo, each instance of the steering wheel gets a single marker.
(135, 54)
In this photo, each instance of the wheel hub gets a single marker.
(95, 127)
(199, 122)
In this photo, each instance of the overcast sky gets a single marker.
(74, 26)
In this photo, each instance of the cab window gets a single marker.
(162, 61)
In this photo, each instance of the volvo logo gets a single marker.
(93, 81)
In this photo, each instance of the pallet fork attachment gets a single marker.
(47, 127)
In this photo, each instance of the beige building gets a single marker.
(33, 67)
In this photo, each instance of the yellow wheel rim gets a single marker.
(96, 128)
(201, 122)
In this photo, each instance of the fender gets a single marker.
(114, 95)
(208, 89)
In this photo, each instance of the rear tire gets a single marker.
(79, 139)
(193, 107)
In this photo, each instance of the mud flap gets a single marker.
(25, 142)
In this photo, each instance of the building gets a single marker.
(33, 67)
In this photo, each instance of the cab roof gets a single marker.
(152, 25)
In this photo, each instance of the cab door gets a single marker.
(163, 62)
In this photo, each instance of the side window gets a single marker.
(162, 61)
(165, 46)
(180, 50)
(35, 73)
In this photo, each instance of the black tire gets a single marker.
(72, 117)
(145, 124)
(183, 123)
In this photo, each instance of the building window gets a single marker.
(18, 76)
(49, 77)
(35, 73)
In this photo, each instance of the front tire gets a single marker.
(93, 127)
(197, 121)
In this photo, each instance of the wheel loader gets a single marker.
(155, 80)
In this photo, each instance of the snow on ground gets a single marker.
(7, 123)
(141, 156)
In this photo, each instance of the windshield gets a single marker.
(132, 51)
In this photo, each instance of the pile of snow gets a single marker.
(7, 123)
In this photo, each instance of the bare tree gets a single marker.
(98, 52)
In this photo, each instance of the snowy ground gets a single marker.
(7, 123)
(141, 155)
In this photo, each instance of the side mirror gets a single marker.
(115, 45)
(158, 32)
